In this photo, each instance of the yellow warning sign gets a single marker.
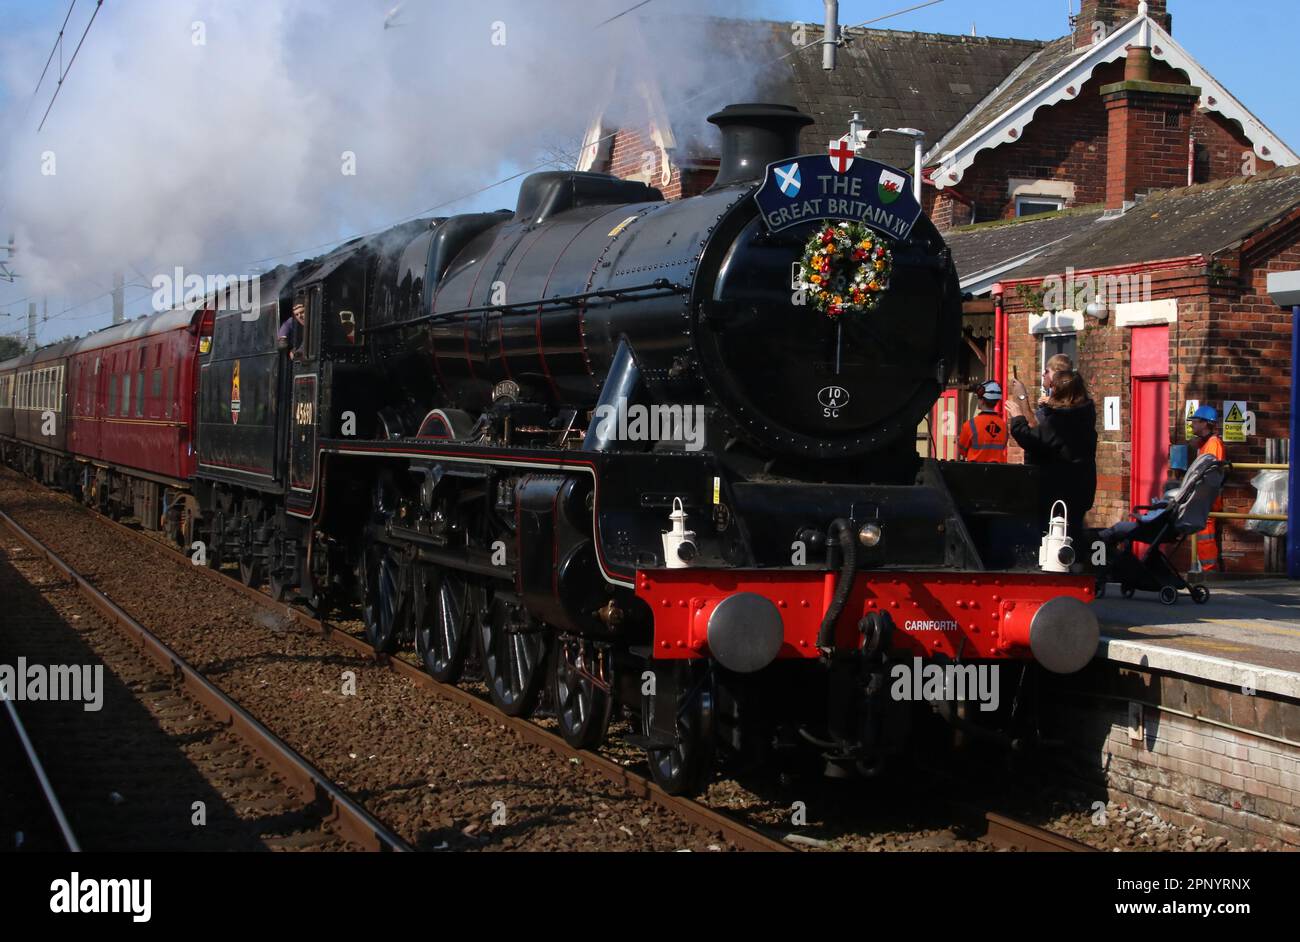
(1234, 421)
(1192, 406)
(234, 394)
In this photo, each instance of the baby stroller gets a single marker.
(1182, 512)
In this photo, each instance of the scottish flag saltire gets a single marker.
(788, 179)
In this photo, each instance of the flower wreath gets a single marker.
(845, 269)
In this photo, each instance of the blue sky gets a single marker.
(1245, 45)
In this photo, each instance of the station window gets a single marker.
(1060, 343)
(1033, 205)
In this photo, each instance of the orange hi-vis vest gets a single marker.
(1207, 541)
(984, 438)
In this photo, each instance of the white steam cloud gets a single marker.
(214, 135)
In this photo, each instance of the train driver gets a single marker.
(293, 331)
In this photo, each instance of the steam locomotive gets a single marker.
(602, 442)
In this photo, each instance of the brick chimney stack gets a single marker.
(1149, 128)
(1113, 13)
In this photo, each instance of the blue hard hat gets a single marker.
(1206, 414)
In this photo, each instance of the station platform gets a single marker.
(1246, 635)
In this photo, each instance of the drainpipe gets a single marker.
(1293, 472)
(999, 339)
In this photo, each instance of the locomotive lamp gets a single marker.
(870, 535)
(1056, 553)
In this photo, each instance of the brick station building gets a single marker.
(1186, 316)
(1107, 161)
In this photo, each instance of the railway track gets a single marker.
(40, 779)
(347, 817)
(741, 836)
(1013, 834)
(691, 814)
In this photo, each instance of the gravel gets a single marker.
(438, 773)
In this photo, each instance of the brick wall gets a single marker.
(634, 156)
(1070, 141)
(1241, 784)
(1222, 151)
(945, 209)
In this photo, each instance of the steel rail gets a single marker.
(1008, 832)
(42, 780)
(641, 787)
(351, 820)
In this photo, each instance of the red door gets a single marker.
(1150, 398)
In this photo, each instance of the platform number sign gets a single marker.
(1111, 412)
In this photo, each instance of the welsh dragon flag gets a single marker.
(890, 186)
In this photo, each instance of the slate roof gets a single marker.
(1207, 219)
(1041, 65)
(981, 248)
(893, 78)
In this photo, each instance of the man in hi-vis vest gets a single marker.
(984, 436)
(1205, 421)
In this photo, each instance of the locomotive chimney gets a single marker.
(753, 136)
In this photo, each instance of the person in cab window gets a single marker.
(293, 331)
(984, 437)
(1205, 422)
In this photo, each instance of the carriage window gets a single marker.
(156, 391)
(124, 407)
(139, 390)
(112, 394)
